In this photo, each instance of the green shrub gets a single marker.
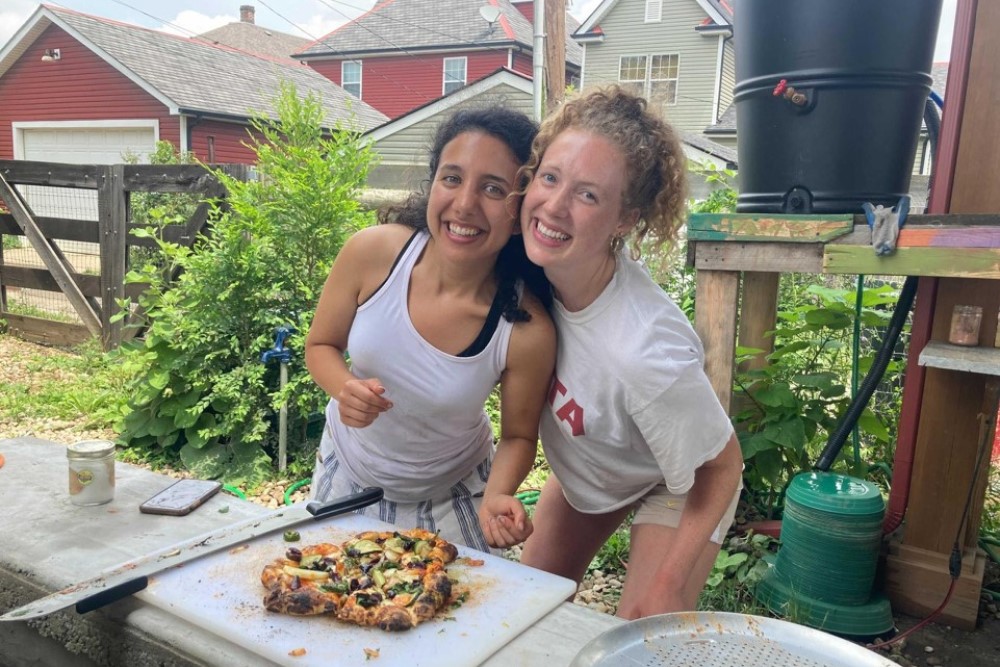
(199, 386)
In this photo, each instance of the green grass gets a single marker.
(83, 385)
(17, 308)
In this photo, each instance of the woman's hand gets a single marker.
(360, 402)
(504, 521)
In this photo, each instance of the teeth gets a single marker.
(551, 233)
(462, 230)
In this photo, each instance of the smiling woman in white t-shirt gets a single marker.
(632, 422)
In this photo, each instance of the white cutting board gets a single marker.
(222, 593)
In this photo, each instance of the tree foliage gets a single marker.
(200, 388)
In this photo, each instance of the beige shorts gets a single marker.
(663, 508)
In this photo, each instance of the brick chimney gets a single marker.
(246, 13)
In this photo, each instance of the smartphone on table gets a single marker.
(181, 497)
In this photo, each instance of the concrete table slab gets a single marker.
(48, 543)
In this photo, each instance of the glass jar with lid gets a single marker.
(91, 472)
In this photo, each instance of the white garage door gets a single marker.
(105, 145)
(79, 145)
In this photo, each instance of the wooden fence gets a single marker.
(92, 297)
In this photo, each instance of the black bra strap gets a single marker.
(395, 263)
(489, 327)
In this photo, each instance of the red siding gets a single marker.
(527, 10)
(81, 86)
(523, 64)
(228, 139)
(397, 84)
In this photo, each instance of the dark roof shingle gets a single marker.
(252, 38)
(417, 25)
(210, 79)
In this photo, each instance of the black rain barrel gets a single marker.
(847, 131)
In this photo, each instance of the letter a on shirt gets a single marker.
(570, 412)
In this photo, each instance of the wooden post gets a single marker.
(112, 210)
(948, 430)
(716, 294)
(758, 315)
(555, 53)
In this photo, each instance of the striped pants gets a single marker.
(454, 514)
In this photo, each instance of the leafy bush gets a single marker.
(738, 569)
(200, 388)
(796, 400)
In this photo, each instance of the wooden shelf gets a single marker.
(982, 360)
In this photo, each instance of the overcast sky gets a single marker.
(306, 18)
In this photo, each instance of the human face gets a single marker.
(573, 208)
(469, 212)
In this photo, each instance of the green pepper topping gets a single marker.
(292, 536)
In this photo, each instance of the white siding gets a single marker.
(403, 154)
(627, 33)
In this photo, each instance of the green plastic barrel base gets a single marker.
(867, 620)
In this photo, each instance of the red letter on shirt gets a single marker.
(570, 412)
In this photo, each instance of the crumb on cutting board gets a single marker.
(297, 652)
(371, 653)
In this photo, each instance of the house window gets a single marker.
(632, 73)
(663, 70)
(653, 77)
(211, 149)
(350, 77)
(654, 11)
(454, 74)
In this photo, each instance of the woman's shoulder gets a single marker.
(538, 331)
(540, 318)
(377, 245)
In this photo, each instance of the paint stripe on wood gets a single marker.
(938, 262)
(758, 227)
(949, 237)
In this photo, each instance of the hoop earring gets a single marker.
(616, 244)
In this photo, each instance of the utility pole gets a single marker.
(555, 52)
(538, 61)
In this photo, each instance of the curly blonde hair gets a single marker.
(656, 182)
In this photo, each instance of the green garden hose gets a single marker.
(528, 496)
(293, 488)
(234, 491)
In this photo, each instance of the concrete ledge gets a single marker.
(48, 544)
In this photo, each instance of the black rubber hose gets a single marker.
(932, 120)
(874, 376)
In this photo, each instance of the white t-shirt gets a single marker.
(630, 405)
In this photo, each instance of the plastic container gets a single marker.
(91, 472)
(829, 99)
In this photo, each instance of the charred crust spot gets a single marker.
(394, 619)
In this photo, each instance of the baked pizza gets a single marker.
(391, 580)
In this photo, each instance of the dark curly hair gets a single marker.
(656, 182)
(517, 131)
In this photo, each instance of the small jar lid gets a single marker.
(90, 449)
